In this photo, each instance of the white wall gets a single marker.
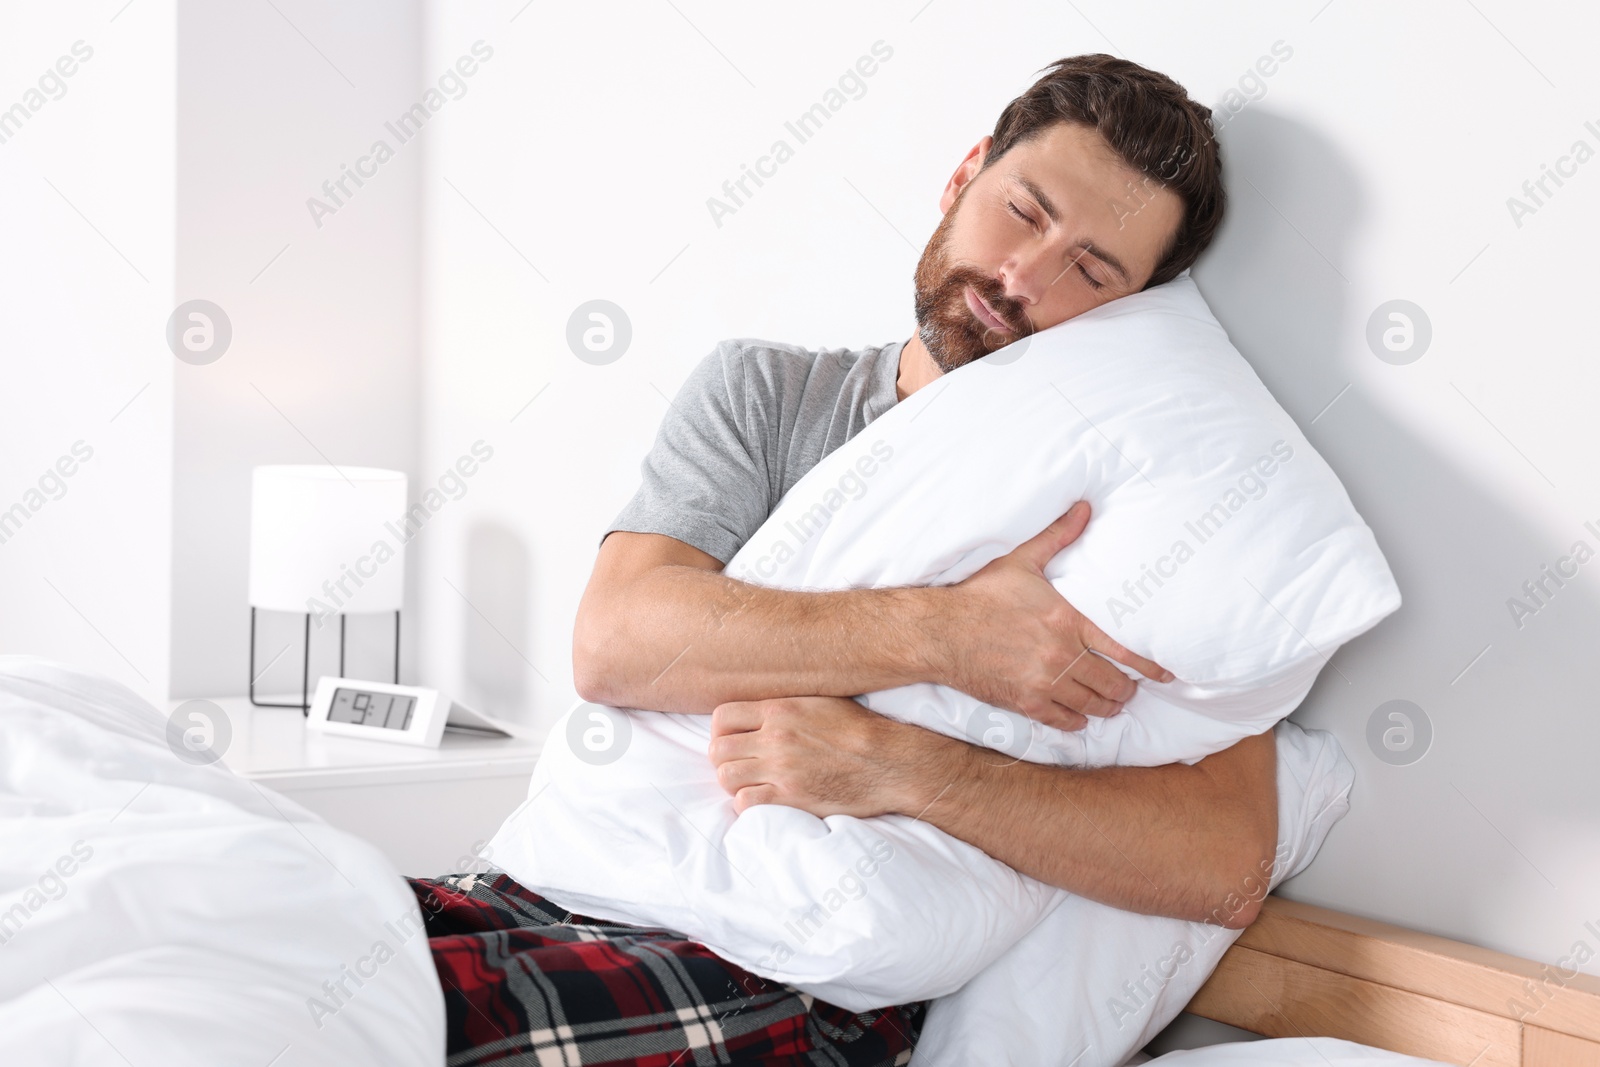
(86, 281)
(176, 165)
(574, 174)
(1387, 178)
(273, 101)
(1375, 165)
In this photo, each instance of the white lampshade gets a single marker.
(327, 534)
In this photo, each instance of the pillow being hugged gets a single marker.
(1221, 544)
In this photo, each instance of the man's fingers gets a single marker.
(751, 795)
(1104, 645)
(735, 717)
(738, 745)
(1104, 679)
(738, 774)
(1042, 547)
(1057, 711)
(1064, 718)
(1081, 699)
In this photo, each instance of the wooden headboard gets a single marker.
(1303, 971)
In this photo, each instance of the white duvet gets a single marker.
(1221, 545)
(157, 912)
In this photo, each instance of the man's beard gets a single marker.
(952, 334)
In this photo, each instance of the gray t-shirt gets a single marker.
(749, 422)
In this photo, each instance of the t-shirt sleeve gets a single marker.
(705, 479)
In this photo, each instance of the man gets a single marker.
(1099, 181)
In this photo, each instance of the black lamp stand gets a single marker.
(305, 663)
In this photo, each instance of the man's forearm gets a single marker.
(1193, 842)
(698, 639)
(661, 627)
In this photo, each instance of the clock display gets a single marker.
(384, 710)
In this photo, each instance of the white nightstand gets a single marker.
(426, 808)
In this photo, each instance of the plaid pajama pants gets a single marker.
(528, 983)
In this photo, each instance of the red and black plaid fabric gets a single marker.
(528, 983)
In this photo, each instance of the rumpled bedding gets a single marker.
(159, 911)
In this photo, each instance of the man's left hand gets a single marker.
(825, 755)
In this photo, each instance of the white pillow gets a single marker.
(1140, 406)
(1221, 545)
(1091, 984)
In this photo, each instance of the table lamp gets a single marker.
(323, 543)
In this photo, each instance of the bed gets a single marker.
(1302, 970)
(200, 919)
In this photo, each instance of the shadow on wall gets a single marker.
(497, 635)
(1458, 841)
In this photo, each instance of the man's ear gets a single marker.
(969, 168)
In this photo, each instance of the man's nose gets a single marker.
(1030, 272)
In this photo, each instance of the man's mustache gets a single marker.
(1007, 310)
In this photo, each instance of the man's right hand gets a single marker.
(1011, 640)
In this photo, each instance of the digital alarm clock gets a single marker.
(383, 711)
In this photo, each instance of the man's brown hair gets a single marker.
(1149, 120)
